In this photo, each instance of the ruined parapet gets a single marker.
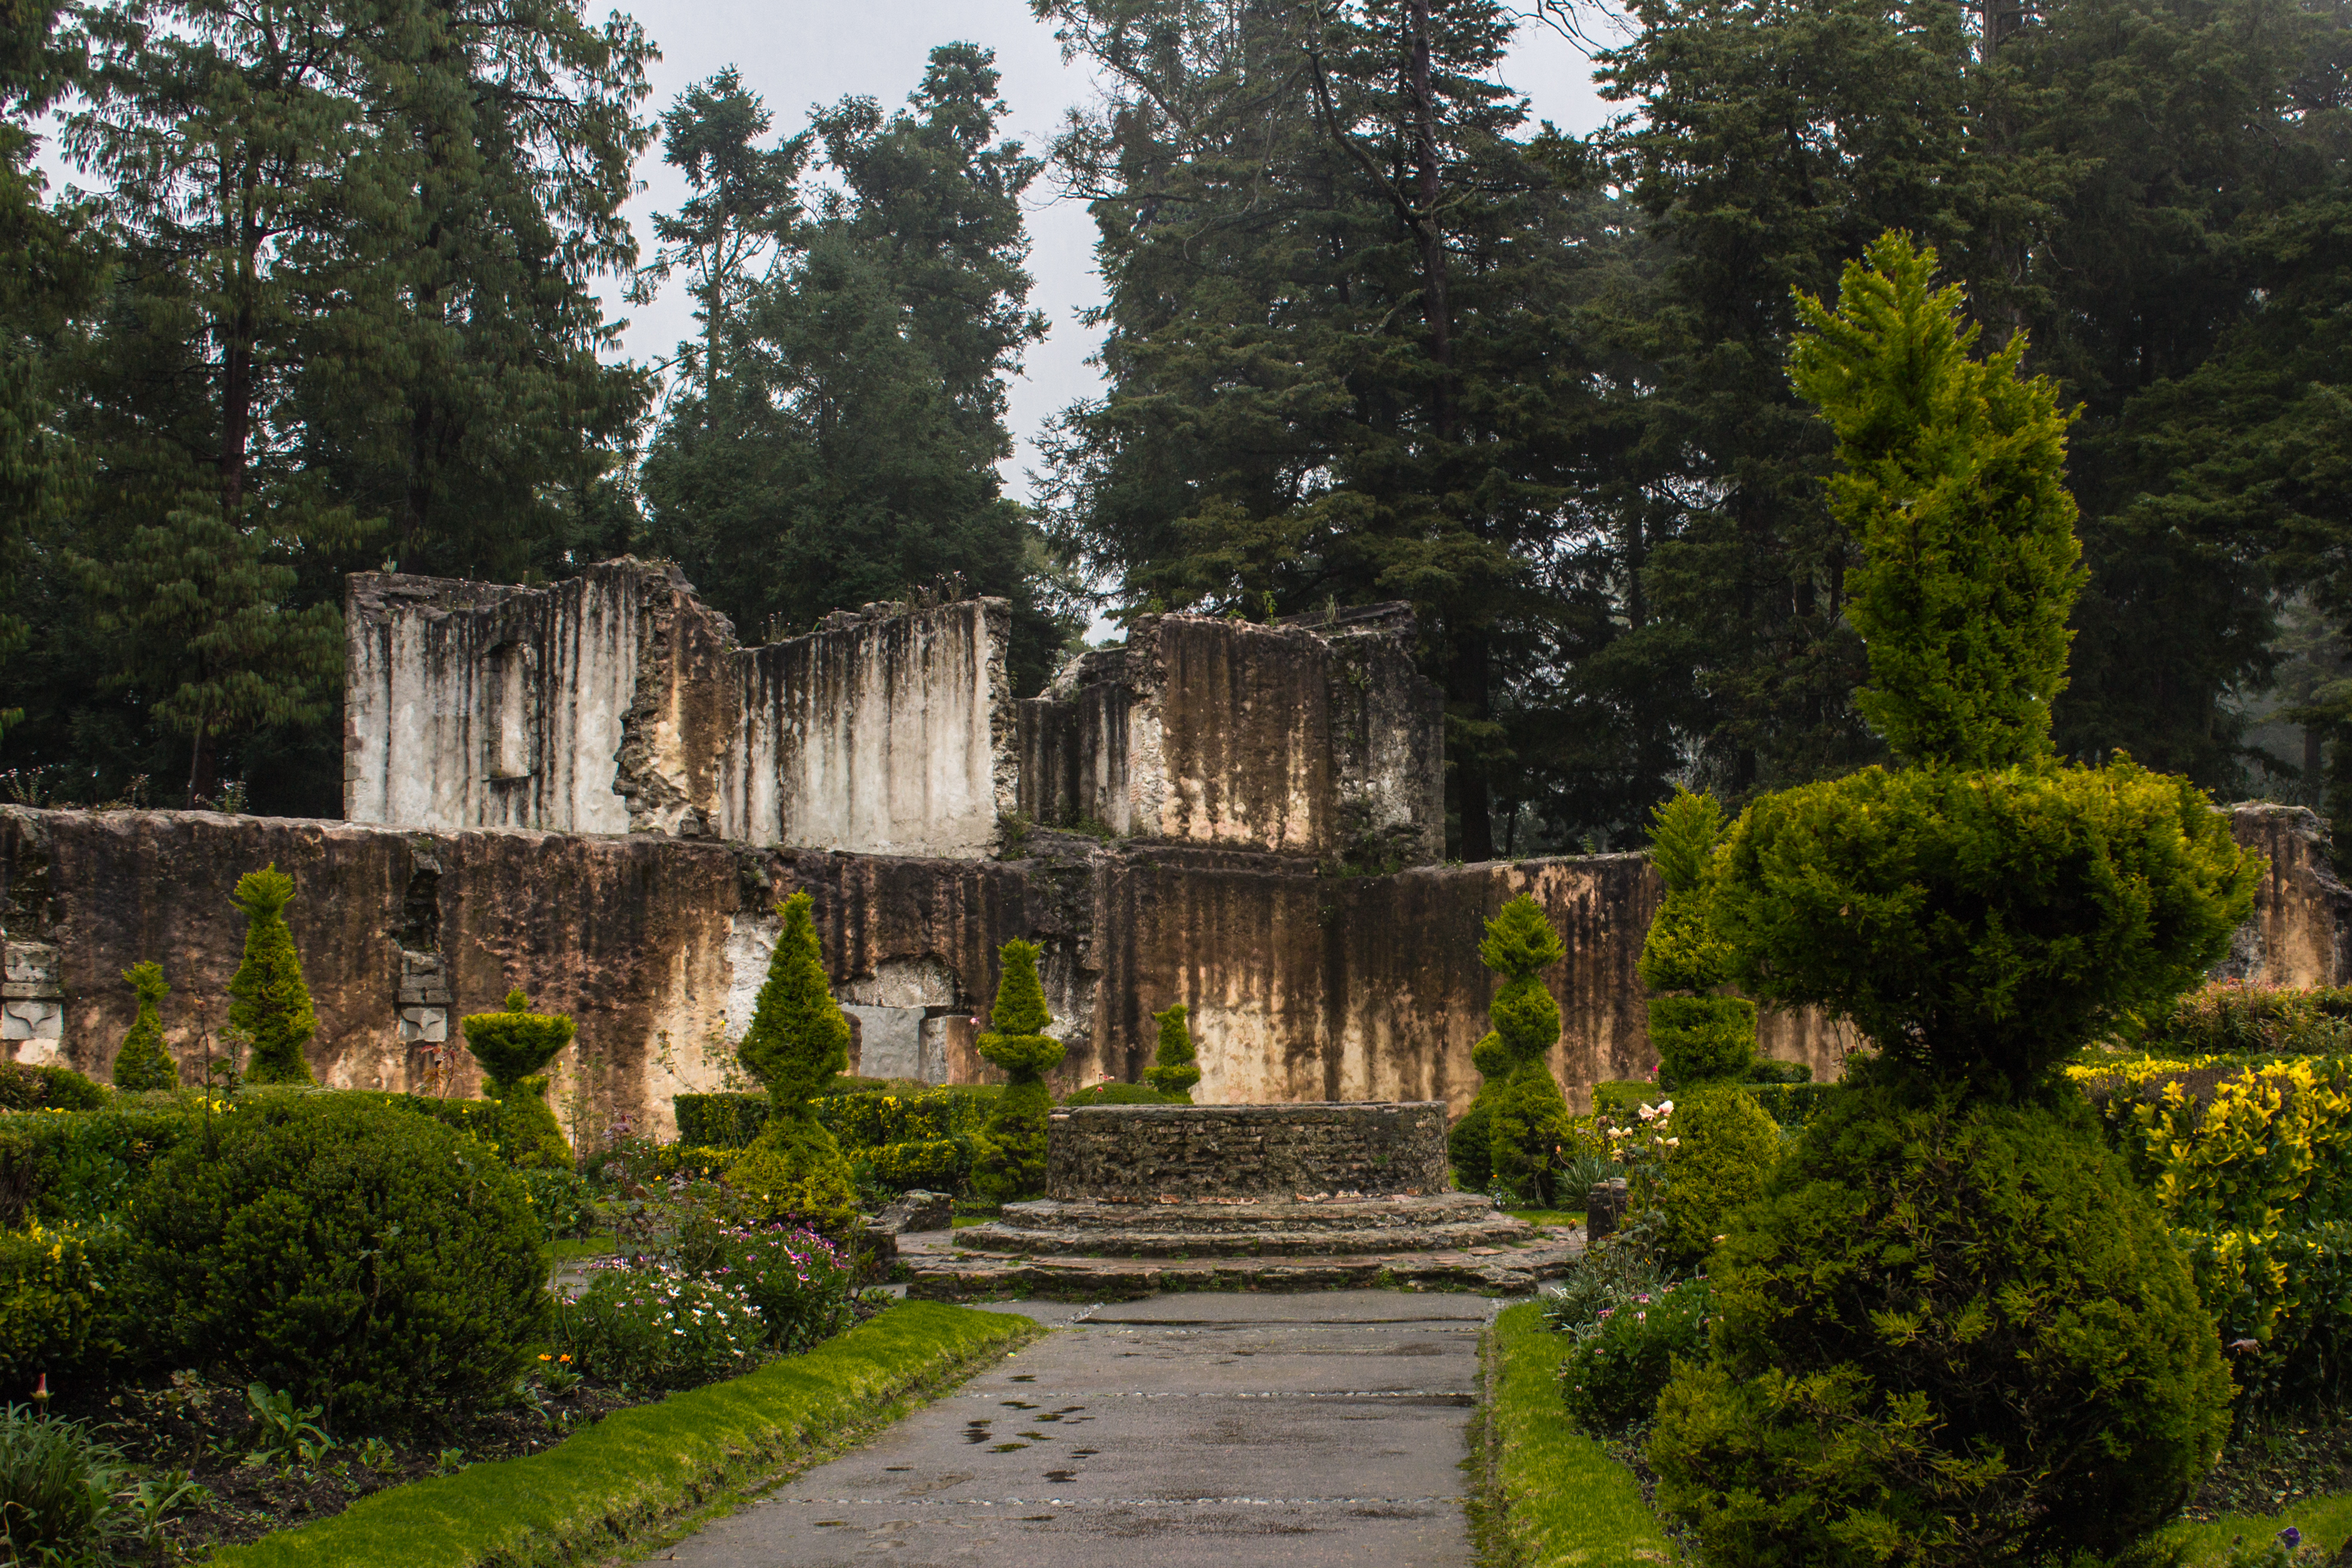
(617, 702)
(886, 731)
(1318, 738)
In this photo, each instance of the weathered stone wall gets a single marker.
(616, 701)
(1303, 985)
(1149, 1153)
(1322, 742)
(887, 733)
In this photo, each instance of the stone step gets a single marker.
(1267, 1242)
(1345, 1215)
(943, 1276)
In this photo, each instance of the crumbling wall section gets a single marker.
(886, 731)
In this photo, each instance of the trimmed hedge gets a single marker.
(720, 1120)
(83, 1166)
(641, 1466)
(25, 1088)
(1792, 1104)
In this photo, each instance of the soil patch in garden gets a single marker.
(2279, 1466)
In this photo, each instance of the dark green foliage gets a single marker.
(47, 1088)
(873, 1119)
(1702, 1039)
(794, 1171)
(1470, 1145)
(937, 1165)
(357, 1255)
(1613, 1372)
(83, 1169)
(1793, 1105)
(1527, 1115)
(512, 1047)
(57, 1491)
(1724, 1148)
(1173, 1071)
(57, 1312)
(798, 1038)
(1983, 925)
(515, 1044)
(1953, 483)
(141, 1063)
(2049, 1384)
(559, 1199)
(720, 1120)
(269, 1003)
(1011, 1163)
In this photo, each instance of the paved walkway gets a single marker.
(1228, 1430)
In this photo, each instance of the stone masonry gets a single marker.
(1159, 1154)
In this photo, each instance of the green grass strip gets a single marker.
(638, 1467)
(1564, 1501)
(2325, 1522)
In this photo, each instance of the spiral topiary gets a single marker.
(512, 1045)
(1525, 1114)
(1698, 1037)
(269, 1006)
(797, 1042)
(142, 1063)
(1012, 1159)
(1174, 1069)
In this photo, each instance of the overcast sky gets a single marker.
(795, 53)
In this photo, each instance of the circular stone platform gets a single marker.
(1343, 1190)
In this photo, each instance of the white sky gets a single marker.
(797, 53)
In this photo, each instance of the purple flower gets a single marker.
(2291, 1537)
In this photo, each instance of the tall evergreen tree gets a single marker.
(848, 452)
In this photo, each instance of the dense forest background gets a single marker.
(1369, 335)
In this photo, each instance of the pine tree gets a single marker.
(1525, 1114)
(269, 1006)
(1012, 1161)
(1174, 1069)
(514, 1047)
(797, 1042)
(143, 1064)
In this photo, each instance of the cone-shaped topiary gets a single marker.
(269, 1003)
(1526, 1116)
(142, 1063)
(798, 1041)
(512, 1045)
(1174, 1069)
(1698, 1037)
(1012, 1162)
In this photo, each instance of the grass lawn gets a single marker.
(1562, 1498)
(1547, 1217)
(570, 1246)
(962, 1220)
(2325, 1522)
(645, 1469)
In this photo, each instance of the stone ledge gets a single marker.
(936, 1275)
(1243, 1229)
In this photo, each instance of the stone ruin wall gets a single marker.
(591, 792)
(1303, 985)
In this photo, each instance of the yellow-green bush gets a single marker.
(1718, 1146)
(870, 1121)
(52, 1304)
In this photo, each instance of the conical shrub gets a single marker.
(1525, 1114)
(798, 1041)
(1011, 1160)
(269, 1006)
(1174, 1068)
(1699, 1036)
(142, 1063)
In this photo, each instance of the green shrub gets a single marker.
(512, 1047)
(659, 1328)
(82, 1168)
(798, 1037)
(361, 1258)
(2282, 1303)
(1619, 1360)
(1983, 925)
(1793, 1105)
(2231, 1019)
(141, 1064)
(720, 1120)
(941, 1165)
(58, 1507)
(1702, 1039)
(54, 1311)
(871, 1120)
(1766, 1070)
(1470, 1146)
(27, 1088)
(269, 1006)
(1011, 1147)
(1527, 1115)
(1952, 1331)
(795, 1171)
(1720, 1146)
(559, 1196)
(1174, 1068)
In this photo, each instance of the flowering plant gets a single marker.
(799, 1281)
(656, 1326)
(1623, 1355)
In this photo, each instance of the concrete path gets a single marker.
(1233, 1430)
